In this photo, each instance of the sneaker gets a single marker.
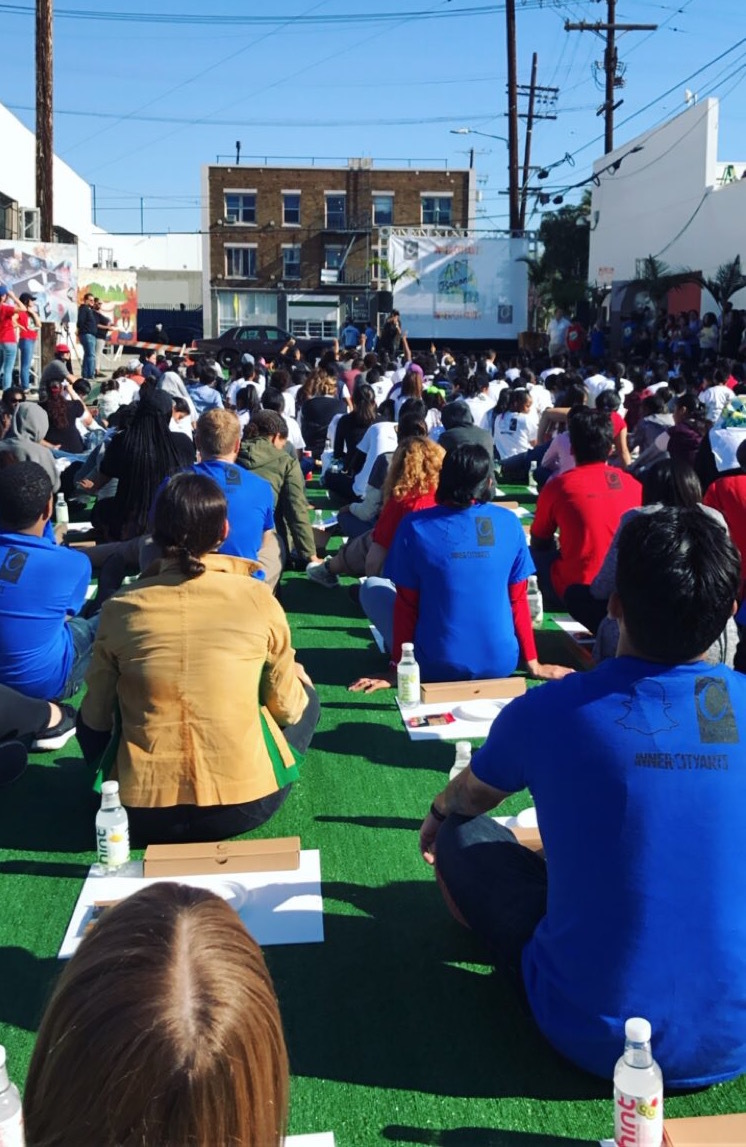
(13, 761)
(322, 575)
(55, 736)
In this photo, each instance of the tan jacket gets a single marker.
(189, 662)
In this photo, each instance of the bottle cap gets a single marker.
(407, 647)
(110, 788)
(638, 1030)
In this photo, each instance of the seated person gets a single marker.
(516, 428)
(180, 1043)
(585, 505)
(350, 430)
(641, 803)
(317, 412)
(187, 655)
(44, 647)
(63, 408)
(23, 441)
(458, 427)
(26, 723)
(263, 453)
(728, 495)
(455, 584)
(410, 485)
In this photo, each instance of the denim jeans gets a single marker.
(377, 597)
(26, 351)
(88, 343)
(8, 351)
(352, 527)
(83, 632)
(498, 885)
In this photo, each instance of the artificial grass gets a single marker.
(398, 1030)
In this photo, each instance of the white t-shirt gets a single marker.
(381, 389)
(514, 433)
(129, 390)
(541, 398)
(295, 438)
(545, 374)
(496, 387)
(596, 384)
(715, 399)
(557, 330)
(481, 406)
(512, 373)
(380, 438)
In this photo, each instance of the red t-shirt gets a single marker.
(26, 329)
(7, 326)
(617, 422)
(728, 495)
(393, 512)
(585, 504)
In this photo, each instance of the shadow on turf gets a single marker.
(477, 1137)
(384, 1003)
(382, 745)
(52, 808)
(411, 824)
(25, 986)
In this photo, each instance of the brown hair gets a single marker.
(326, 386)
(163, 1029)
(415, 468)
(218, 431)
(189, 520)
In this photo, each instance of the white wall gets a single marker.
(666, 201)
(172, 252)
(72, 195)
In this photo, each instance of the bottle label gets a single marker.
(11, 1130)
(638, 1120)
(408, 685)
(113, 844)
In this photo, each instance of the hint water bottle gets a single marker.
(408, 678)
(11, 1112)
(535, 600)
(61, 511)
(463, 759)
(112, 830)
(638, 1090)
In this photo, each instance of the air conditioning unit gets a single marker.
(30, 223)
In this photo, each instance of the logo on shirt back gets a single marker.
(613, 479)
(485, 531)
(232, 476)
(12, 566)
(715, 715)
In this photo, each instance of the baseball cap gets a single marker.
(26, 298)
(134, 364)
(3, 290)
(248, 359)
(62, 348)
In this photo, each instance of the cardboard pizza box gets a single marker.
(489, 689)
(279, 854)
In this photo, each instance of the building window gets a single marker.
(240, 207)
(336, 213)
(240, 262)
(313, 328)
(437, 210)
(291, 262)
(383, 210)
(334, 253)
(291, 208)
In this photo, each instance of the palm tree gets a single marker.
(385, 271)
(657, 279)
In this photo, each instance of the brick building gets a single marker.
(297, 247)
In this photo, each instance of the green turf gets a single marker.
(398, 1030)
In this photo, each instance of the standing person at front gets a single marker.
(87, 332)
(10, 312)
(28, 334)
(641, 803)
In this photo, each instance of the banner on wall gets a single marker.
(460, 287)
(117, 290)
(49, 271)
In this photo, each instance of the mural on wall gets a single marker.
(49, 271)
(117, 290)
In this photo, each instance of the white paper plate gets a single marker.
(477, 710)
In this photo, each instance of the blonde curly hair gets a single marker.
(414, 469)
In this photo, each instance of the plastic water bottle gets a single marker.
(463, 759)
(408, 678)
(112, 830)
(638, 1090)
(11, 1111)
(318, 519)
(532, 485)
(535, 600)
(61, 511)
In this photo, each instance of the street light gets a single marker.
(473, 131)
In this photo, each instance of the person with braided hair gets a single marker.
(194, 674)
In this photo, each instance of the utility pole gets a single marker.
(513, 188)
(611, 63)
(549, 96)
(45, 147)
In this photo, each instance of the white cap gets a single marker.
(110, 788)
(638, 1030)
(407, 646)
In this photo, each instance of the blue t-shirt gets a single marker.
(204, 398)
(250, 506)
(461, 563)
(41, 584)
(638, 773)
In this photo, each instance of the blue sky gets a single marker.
(332, 79)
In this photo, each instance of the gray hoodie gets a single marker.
(30, 425)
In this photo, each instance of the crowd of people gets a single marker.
(196, 490)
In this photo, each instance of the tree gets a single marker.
(383, 270)
(558, 277)
(729, 279)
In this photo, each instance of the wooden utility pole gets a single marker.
(611, 63)
(513, 187)
(549, 98)
(45, 147)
